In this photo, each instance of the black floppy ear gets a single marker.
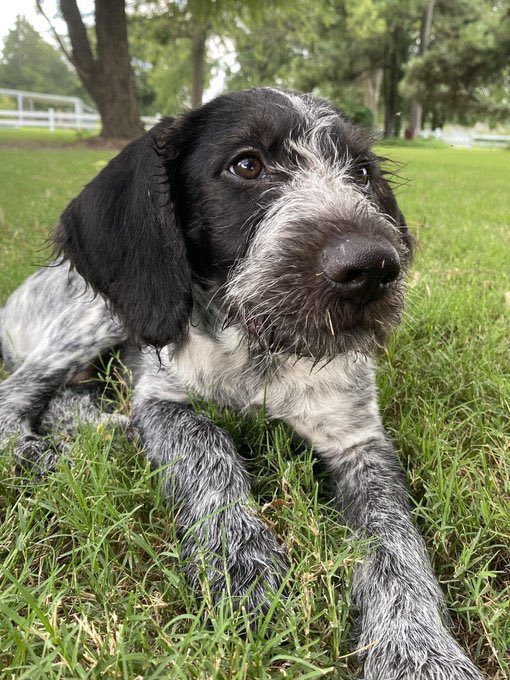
(122, 235)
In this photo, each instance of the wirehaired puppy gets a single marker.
(256, 247)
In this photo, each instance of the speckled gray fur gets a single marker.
(248, 320)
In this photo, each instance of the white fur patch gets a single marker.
(333, 406)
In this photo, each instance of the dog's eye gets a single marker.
(363, 174)
(248, 168)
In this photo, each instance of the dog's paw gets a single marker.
(247, 568)
(35, 456)
(255, 573)
(417, 658)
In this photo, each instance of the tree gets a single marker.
(351, 51)
(176, 36)
(162, 69)
(464, 74)
(30, 63)
(300, 45)
(383, 33)
(105, 67)
(169, 45)
(415, 117)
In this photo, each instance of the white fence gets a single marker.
(81, 117)
(52, 119)
(460, 136)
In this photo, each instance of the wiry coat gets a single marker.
(257, 245)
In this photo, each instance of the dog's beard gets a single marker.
(316, 326)
(286, 305)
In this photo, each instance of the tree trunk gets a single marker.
(371, 82)
(108, 77)
(392, 75)
(415, 118)
(197, 66)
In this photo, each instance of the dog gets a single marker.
(250, 252)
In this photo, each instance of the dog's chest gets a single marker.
(221, 370)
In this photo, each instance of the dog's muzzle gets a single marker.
(361, 268)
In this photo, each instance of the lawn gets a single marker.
(90, 577)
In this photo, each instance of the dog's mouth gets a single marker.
(319, 333)
(318, 308)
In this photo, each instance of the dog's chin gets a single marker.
(315, 323)
(318, 345)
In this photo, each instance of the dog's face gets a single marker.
(269, 201)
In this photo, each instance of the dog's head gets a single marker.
(270, 203)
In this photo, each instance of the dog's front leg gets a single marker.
(205, 480)
(400, 602)
(402, 634)
(71, 341)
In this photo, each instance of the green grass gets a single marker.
(35, 186)
(35, 136)
(90, 579)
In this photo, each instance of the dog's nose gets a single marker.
(361, 268)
